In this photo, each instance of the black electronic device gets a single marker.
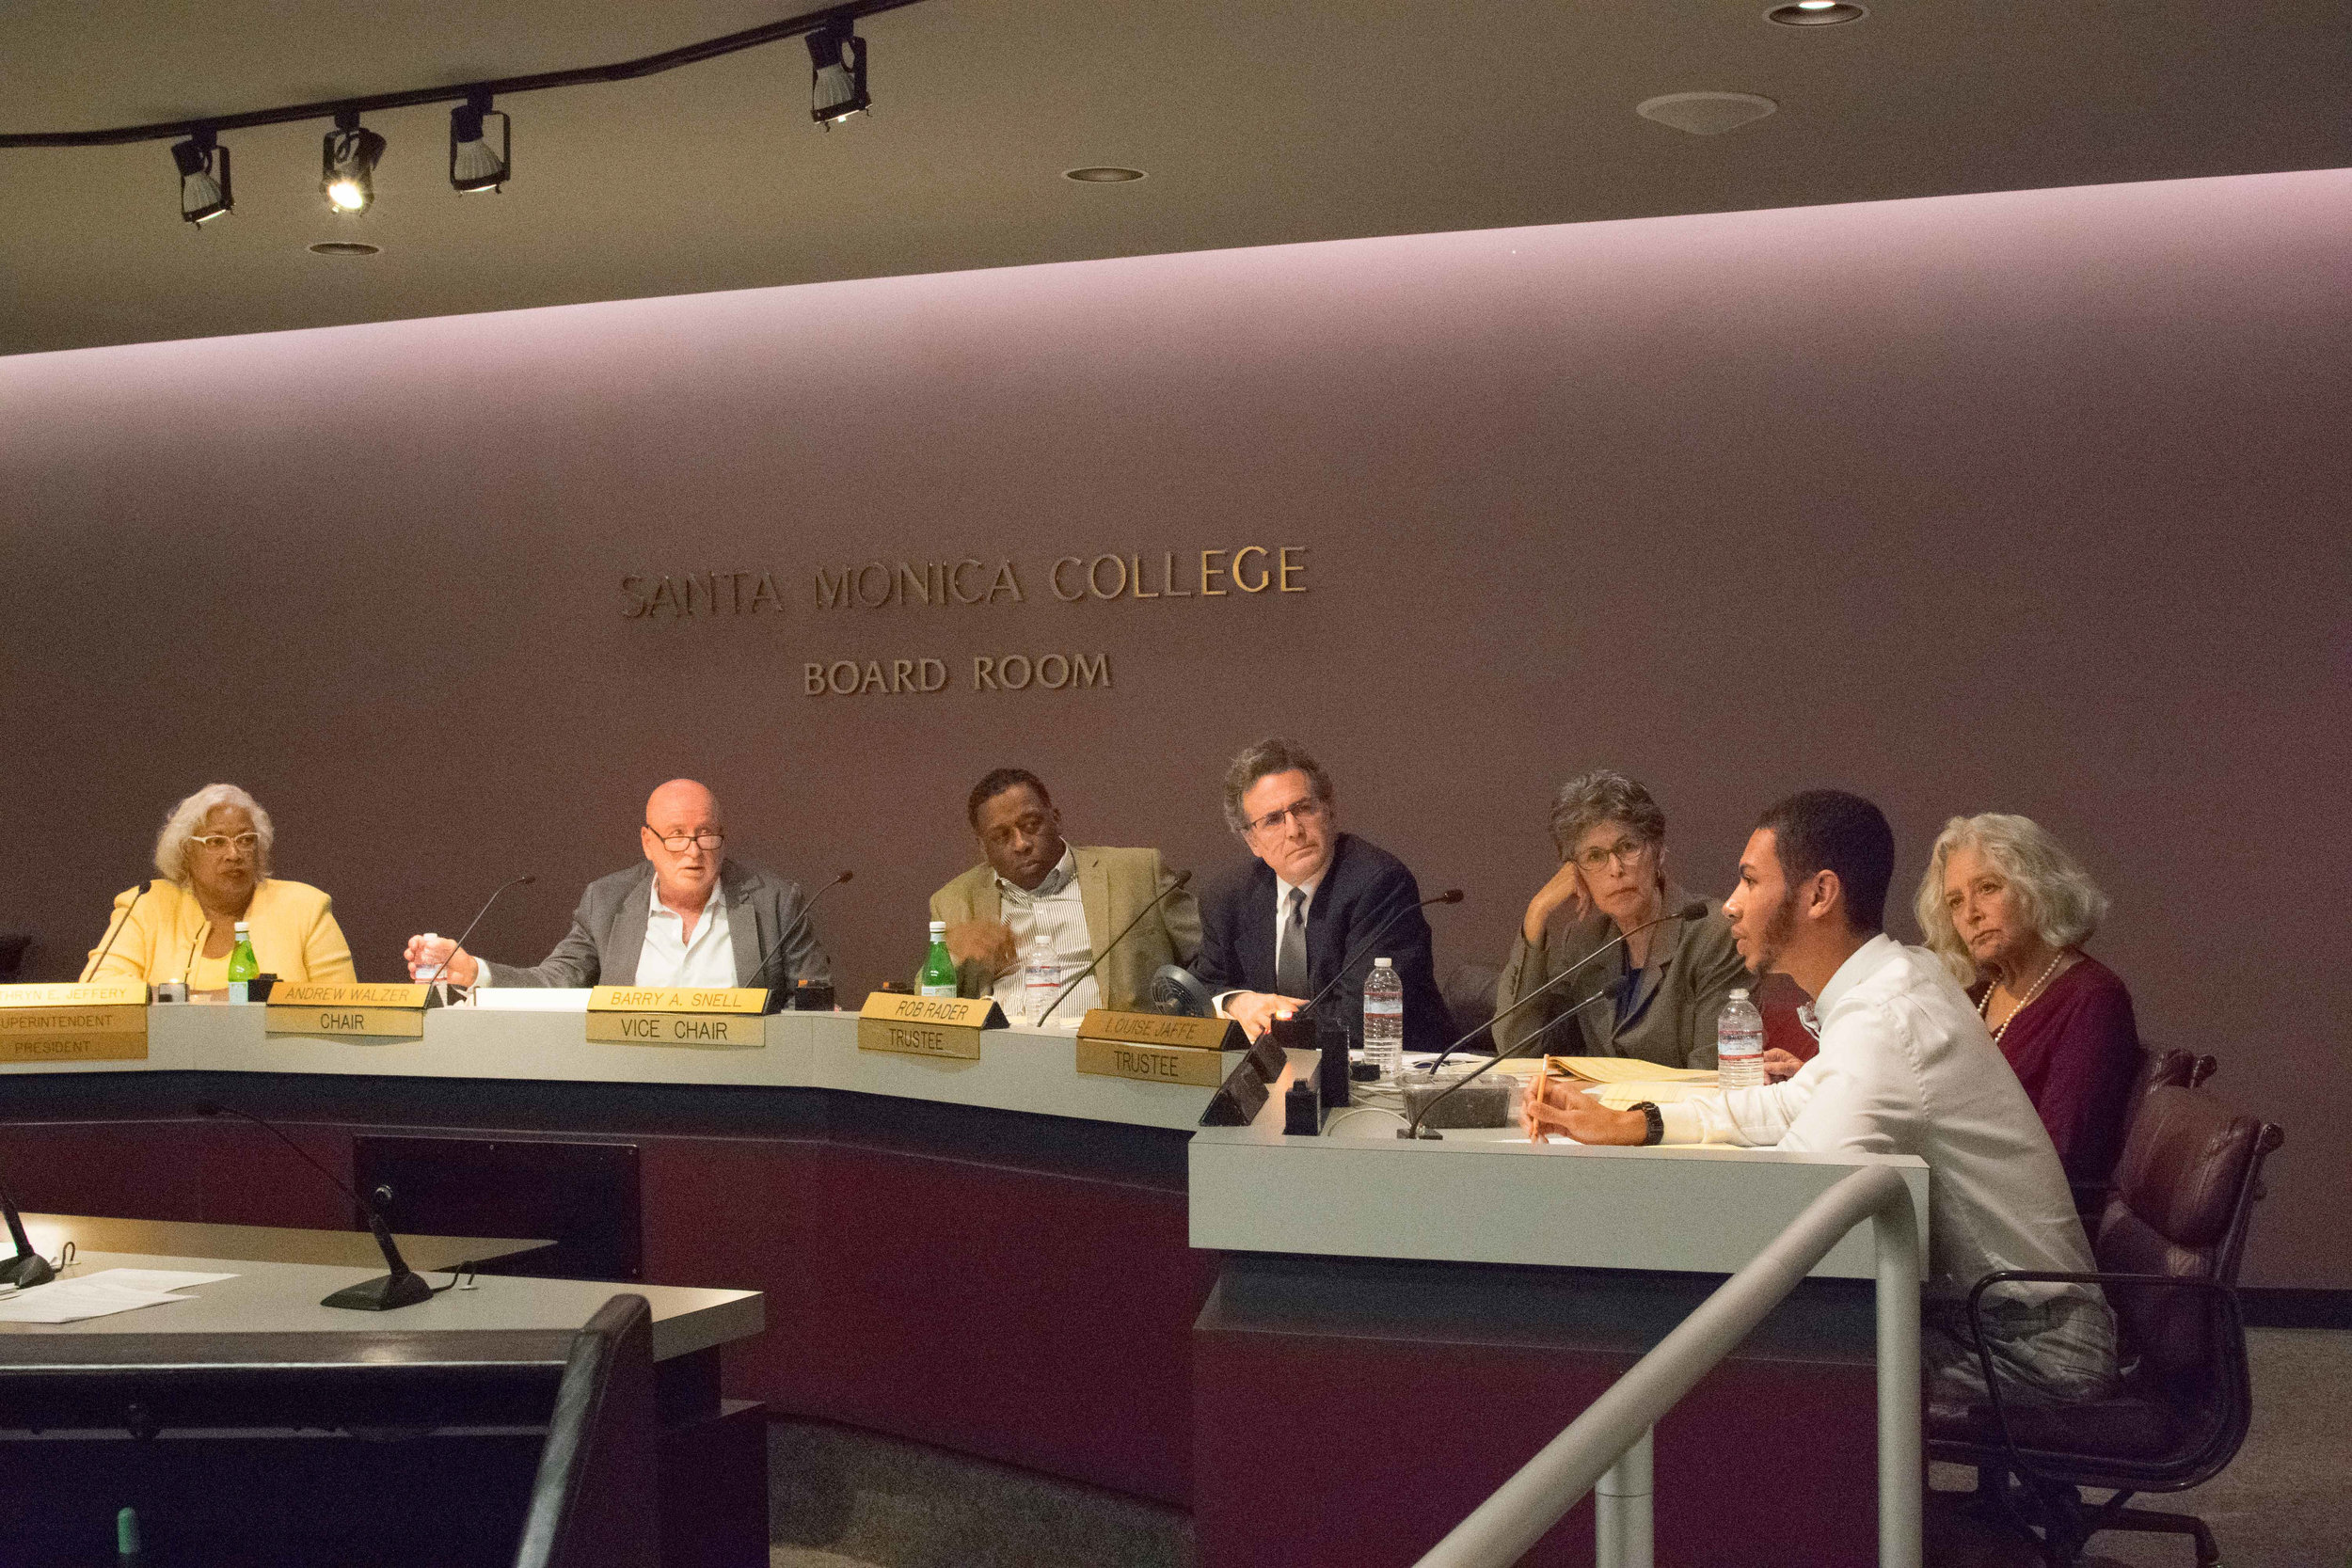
(401, 1285)
(1180, 993)
(1238, 1100)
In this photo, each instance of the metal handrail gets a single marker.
(1608, 1446)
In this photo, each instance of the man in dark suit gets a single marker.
(1273, 933)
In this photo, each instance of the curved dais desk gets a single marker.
(1329, 1349)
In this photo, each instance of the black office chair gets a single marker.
(593, 1503)
(2169, 1249)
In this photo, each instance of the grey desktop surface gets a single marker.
(262, 1242)
(283, 1298)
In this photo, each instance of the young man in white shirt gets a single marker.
(1905, 1068)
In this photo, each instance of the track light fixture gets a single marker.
(474, 164)
(203, 165)
(837, 89)
(347, 164)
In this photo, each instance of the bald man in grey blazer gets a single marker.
(686, 915)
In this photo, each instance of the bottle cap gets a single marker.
(939, 927)
(240, 927)
(1738, 994)
(1382, 963)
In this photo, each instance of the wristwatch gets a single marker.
(1656, 1131)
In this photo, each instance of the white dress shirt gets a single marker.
(668, 959)
(1055, 908)
(1907, 1068)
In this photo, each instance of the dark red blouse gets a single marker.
(2076, 1048)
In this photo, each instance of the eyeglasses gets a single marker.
(222, 841)
(1597, 859)
(677, 844)
(1301, 811)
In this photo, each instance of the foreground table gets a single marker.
(711, 1481)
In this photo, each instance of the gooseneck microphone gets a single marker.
(1177, 881)
(1451, 896)
(797, 921)
(27, 1268)
(460, 945)
(1413, 1128)
(109, 945)
(1694, 910)
(403, 1286)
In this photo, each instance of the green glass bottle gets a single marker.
(243, 965)
(938, 978)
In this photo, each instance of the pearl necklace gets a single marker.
(1985, 1007)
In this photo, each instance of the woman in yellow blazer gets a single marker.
(214, 854)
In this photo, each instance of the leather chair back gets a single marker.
(2184, 1191)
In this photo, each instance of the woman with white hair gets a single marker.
(2007, 909)
(214, 856)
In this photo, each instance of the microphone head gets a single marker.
(843, 878)
(525, 881)
(1183, 876)
(1451, 896)
(1694, 910)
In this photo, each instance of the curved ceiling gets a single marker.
(1258, 123)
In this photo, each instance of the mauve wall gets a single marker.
(2030, 501)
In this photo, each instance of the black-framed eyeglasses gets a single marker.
(1303, 812)
(677, 844)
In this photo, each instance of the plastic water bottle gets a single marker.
(1740, 1043)
(1041, 978)
(1384, 1018)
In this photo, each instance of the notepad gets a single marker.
(1626, 1070)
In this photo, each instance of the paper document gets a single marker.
(152, 1279)
(1628, 1070)
(68, 1301)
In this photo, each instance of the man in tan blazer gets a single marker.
(1037, 902)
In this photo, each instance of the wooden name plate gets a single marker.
(720, 1018)
(708, 1030)
(1157, 1064)
(1154, 1048)
(102, 1023)
(367, 1012)
(1191, 1033)
(948, 1026)
(678, 999)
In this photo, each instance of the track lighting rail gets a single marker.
(623, 71)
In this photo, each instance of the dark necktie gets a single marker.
(1290, 954)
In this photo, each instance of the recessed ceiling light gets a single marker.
(1815, 14)
(345, 248)
(1104, 176)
